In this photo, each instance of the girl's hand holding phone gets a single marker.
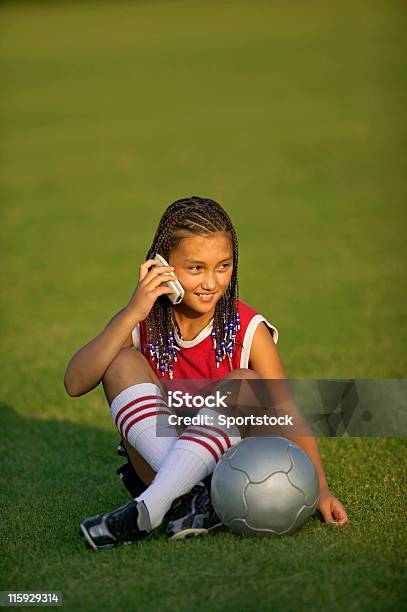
(150, 286)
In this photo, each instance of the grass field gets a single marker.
(293, 118)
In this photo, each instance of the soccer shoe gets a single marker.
(133, 483)
(124, 525)
(121, 450)
(128, 475)
(191, 514)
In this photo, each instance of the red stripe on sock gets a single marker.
(202, 443)
(136, 401)
(139, 409)
(144, 416)
(220, 432)
(207, 435)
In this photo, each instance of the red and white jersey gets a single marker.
(196, 358)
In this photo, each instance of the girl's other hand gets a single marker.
(149, 288)
(331, 509)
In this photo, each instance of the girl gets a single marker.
(210, 334)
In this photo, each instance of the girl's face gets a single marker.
(203, 265)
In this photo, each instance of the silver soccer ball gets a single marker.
(265, 485)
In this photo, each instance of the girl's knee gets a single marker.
(128, 368)
(242, 374)
(128, 362)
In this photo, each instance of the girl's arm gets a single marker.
(88, 365)
(265, 360)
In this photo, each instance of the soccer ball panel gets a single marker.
(273, 503)
(241, 527)
(303, 474)
(303, 515)
(259, 457)
(227, 492)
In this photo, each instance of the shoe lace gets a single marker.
(179, 505)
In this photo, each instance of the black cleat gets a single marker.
(128, 475)
(124, 525)
(133, 483)
(121, 450)
(191, 514)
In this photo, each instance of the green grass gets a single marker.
(293, 118)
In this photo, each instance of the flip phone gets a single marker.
(177, 297)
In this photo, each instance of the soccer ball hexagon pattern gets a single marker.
(265, 485)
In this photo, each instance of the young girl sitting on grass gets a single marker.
(210, 334)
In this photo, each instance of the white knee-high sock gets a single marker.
(136, 413)
(193, 456)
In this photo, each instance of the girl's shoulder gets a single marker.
(250, 319)
(249, 316)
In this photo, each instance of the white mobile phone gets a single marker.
(177, 297)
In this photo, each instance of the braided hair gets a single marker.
(183, 218)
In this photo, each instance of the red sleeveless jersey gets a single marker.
(196, 358)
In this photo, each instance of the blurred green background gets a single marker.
(292, 116)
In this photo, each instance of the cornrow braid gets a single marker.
(182, 218)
